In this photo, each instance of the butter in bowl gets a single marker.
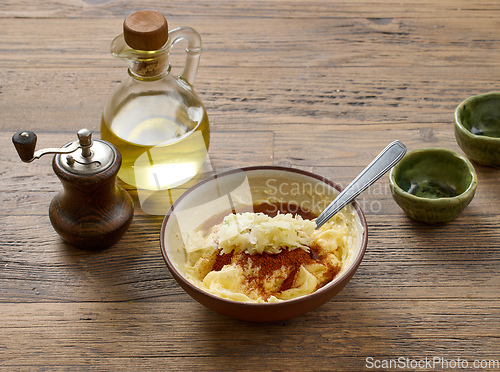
(244, 243)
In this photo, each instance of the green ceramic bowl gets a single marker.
(477, 128)
(433, 185)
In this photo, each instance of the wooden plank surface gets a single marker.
(317, 85)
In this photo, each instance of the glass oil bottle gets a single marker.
(155, 119)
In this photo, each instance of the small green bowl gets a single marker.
(477, 128)
(433, 185)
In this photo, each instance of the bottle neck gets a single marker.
(143, 65)
(153, 68)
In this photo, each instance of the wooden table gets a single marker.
(317, 85)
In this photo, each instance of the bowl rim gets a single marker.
(464, 195)
(463, 129)
(349, 272)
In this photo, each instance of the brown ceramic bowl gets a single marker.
(238, 188)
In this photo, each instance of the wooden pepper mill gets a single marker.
(91, 212)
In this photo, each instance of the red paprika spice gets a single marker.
(267, 265)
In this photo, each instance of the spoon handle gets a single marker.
(388, 158)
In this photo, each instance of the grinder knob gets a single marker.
(25, 143)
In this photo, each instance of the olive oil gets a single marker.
(490, 128)
(431, 190)
(163, 142)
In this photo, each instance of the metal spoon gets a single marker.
(388, 158)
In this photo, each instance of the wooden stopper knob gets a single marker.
(145, 30)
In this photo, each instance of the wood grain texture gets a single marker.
(322, 86)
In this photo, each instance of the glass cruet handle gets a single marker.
(193, 50)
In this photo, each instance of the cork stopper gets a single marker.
(145, 30)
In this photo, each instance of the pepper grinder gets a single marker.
(91, 212)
